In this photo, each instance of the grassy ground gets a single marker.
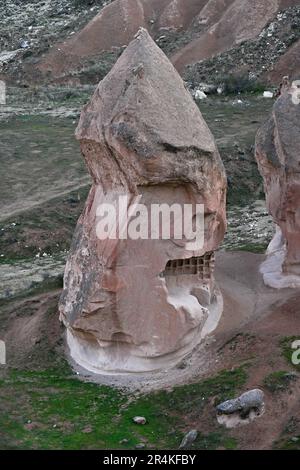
(52, 409)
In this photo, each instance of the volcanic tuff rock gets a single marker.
(278, 157)
(138, 305)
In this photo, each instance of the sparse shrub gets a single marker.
(240, 83)
(279, 381)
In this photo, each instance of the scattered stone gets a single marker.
(87, 430)
(268, 94)
(139, 420)
(207, 88)
(188, 439)
(24, 44)
(241, 410)
(248, 400)
(140, 446)
(200, 95)
(124, 441)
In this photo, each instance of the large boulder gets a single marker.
(278, 158)
(142, 304)
(242, 410)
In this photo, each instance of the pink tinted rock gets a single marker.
(130, 305)
(278, 157)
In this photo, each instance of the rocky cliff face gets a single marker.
(140, 304)
(278, 157)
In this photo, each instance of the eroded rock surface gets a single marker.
(278, 157)
(242, 410)
(140, 305)
(188, 439)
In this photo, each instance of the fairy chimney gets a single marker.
(278, 158)
(140, 303)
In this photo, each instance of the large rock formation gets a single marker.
(134, 305)
(278, 157)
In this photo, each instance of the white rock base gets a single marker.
(121, 358)
(271, 268)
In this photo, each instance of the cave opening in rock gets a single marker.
(201, 266)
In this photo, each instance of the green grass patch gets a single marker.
(52, 409)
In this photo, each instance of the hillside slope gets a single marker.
(77, 41)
